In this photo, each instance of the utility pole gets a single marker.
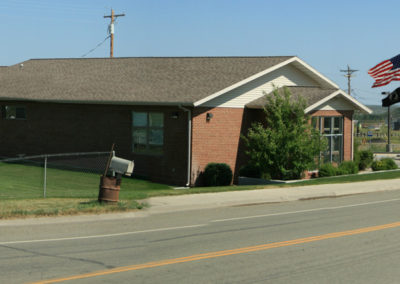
(111, 30)
(349, 74)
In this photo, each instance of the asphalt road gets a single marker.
(353, 239)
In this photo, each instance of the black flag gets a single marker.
(392, 98)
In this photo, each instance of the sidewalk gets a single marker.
(159, 205)
(232, 198)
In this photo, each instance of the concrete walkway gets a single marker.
(232, 198)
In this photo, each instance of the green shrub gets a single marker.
(390, 163)
(377, 166)
(364, 159)
(284, 144)
(217, 174)
(384, 164)
(250, 170)
(340, 171)
(348, 168)
(345, 168)
(327, 170)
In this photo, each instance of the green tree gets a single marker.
(286, 144)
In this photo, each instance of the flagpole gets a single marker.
(389, 146)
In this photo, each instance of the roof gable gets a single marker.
(311, 95)
(335, 98)
(302, 68)
(317, 99)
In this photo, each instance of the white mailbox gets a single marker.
(121, 166)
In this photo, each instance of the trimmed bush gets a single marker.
(378, 166)
(217, 174)
(384, 164)
(345, 168)
(365, 159)
(250, 170)
(348, 167)
(327, 170)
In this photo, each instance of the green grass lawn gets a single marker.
(26, 182)
(72, 192)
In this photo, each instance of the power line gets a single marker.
(357, 95)
(349, 75)
(93, 49)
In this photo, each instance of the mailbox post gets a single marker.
(110, 184)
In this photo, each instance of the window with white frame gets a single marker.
(331, 127)
(147, 132)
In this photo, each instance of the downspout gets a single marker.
(352, 137)
(189, 143)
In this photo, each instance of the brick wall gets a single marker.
(215, 140)
(347, 131)
(63, 128)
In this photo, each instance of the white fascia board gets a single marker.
(352, 100)
(262, 73)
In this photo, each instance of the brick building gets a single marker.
(171, 116)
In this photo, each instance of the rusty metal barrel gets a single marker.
(109, 189)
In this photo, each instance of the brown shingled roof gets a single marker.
(157, 80)
(310, 94)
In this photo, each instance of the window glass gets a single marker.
(139, 119)
(327, 125)
(148, 132)
(332, 129)
(336, 149)
(156, 119)
(13, 112)
(337, 125)
(156, 137)
(140, 136)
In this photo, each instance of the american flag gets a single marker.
(386, 71)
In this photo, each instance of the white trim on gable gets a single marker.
(337, 93)
(298, 63)
(307, 67)
(287, 75)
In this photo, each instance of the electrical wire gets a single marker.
(357, 95)
(93, 49)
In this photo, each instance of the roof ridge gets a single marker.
(156, 57)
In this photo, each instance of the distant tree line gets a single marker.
(377, 116)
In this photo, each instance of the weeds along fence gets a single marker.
(74, 175)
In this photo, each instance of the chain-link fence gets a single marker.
(377, 141)
(67, 175)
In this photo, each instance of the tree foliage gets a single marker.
(285, 145)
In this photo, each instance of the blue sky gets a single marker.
(328, 35)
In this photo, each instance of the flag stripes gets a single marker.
(385, 72)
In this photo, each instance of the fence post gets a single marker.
(45, 177)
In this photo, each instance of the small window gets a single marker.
(332, 129)
(147, 132)
(13, 112)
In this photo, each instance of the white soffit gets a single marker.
(298, 63)
(350, 99)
